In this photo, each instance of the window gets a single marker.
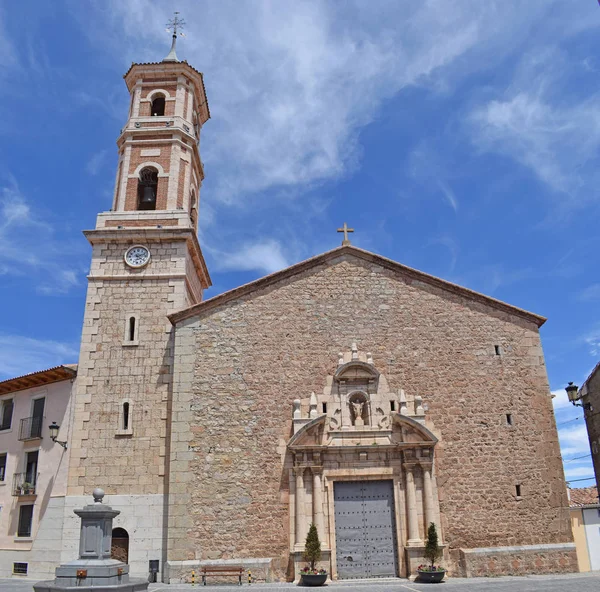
(25, 520)
(497, 350)
(324, 407)
(31, 468)
(20, 569)
(509, 419)
(7, 412)
(392, 405)
(132, 325)
(2, 466)
(125, 416)
(518, 490)
(158, 106)
(147, 186)
(125, 425)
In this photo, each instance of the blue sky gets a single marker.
(458, 137)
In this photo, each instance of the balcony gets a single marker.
(31, 428)
(24, 484)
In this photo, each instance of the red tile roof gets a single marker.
(583, 496)
(39, 378)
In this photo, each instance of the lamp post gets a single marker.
(54, 428)
(574, 396)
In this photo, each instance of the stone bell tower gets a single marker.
(146, 264)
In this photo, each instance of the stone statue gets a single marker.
(357, 406)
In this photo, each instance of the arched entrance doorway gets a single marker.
(120, 545)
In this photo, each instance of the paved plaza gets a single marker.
(588, 582)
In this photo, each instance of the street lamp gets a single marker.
(574, 396)
(54, 427)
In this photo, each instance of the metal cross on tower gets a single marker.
(175, 25)
(345, 230)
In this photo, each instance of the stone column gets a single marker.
(428, 505)
(318, 517)
(411, 507)
(300, 495)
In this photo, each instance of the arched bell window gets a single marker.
(158, 105)
(147, 186)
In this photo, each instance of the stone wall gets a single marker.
(240, 365)
(518, 561)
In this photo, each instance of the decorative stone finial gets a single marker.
(354, 352)
(419, 405)
(313, 406)
(403, 403)
(98, 495)
(340, 359)
(297, 413)
(369, 358)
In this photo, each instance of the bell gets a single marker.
(148, 196)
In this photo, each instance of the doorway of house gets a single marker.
(120, 545)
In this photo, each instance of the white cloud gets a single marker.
(592, 340)
(449, 195)
(27, 244)
(265, 256)
(533, 124)
(591, 293)
(574, 440)
(560, 400)
(20, 355)
(96, 162)
(291, 84)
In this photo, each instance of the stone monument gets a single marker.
(94, 571)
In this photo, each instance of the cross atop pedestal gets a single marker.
(345, 230)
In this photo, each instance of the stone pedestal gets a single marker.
(94, 571)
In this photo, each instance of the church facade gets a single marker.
(348, 391)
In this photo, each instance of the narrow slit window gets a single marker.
(125, 416)
(392, 405)
(509, 419)
(518, 490)
(324, 406)
(131, 333)
(497, 350)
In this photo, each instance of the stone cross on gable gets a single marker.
(345, 230)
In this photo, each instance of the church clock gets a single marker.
(137, 256)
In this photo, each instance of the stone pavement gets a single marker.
(588, 582)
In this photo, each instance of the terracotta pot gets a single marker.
(313, 579)
(431, 577)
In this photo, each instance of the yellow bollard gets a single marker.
(249, 577)
(193, 578)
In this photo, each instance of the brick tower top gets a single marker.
(160, 172)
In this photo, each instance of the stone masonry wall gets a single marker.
(111, 372)
(239, 366)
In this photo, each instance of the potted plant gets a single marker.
(26, 488)
(431, 573)
(310, 575)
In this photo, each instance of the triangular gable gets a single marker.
(367, 256)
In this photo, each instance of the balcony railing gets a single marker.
(24, 483)
(31, 428)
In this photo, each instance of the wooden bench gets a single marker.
(221, 571)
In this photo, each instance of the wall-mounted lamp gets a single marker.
(54, 434)
(574, 396)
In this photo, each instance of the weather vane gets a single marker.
(174, 25)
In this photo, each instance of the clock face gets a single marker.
(137, 256)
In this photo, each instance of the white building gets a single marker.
(33, 470)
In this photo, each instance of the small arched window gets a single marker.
(158, 105)
(147, 186)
